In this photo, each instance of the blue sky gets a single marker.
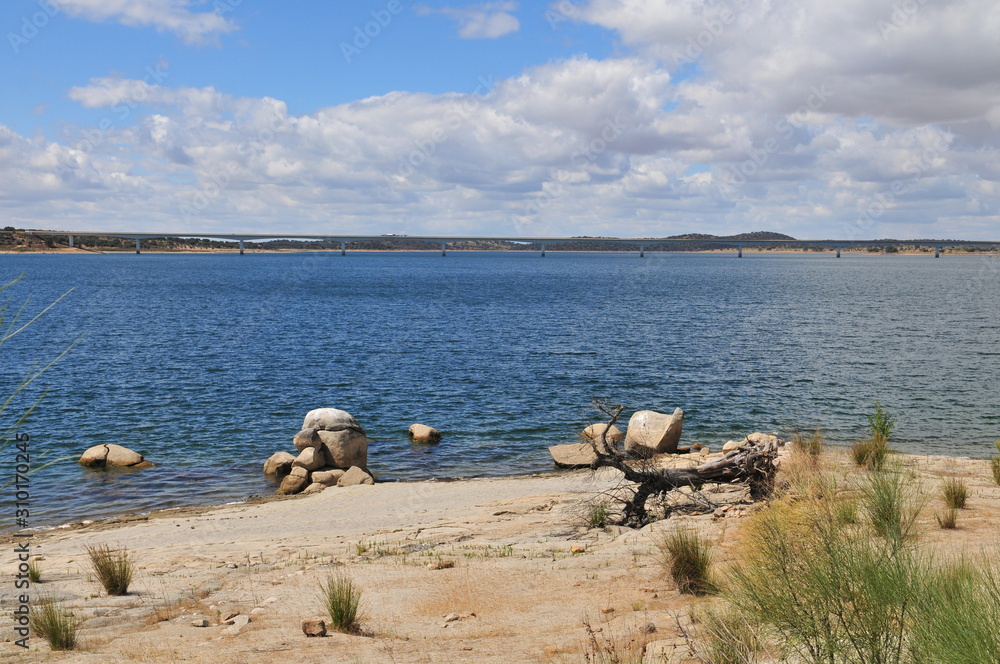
(859, 119)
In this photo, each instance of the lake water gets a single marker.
(207, 364)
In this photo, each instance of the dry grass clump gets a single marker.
(955, 493)
(811, 446)
(342, 600)
(114, 568)
(34, 572)
(687, 558)
(726, 637)
(610, 648)
(54, 623)
(995, 464)
(947, 519)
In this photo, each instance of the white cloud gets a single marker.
(176, 16)
(488, 20)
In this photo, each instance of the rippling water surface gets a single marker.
(207, 363)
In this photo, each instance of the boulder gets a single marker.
(421, 433)
(293, 484)
(573, 455)
(314, 627)
(279, 463)
(328, 477)
(731, 445)
(342, 439)
(101, 456)
(594, 431)
(651, 433)
(310, 458)
(306, 438)
(355, 476)
(758, 438)
(344, 448)
(315, 487)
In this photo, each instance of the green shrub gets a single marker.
(34, 572)
(687, 559)
(880, 424)
(955, 493)
(889, 502)
(51, 621)
(598, 514)
(870, 453)
(342, 599)
(114, 568)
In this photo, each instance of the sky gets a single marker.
(855, 119)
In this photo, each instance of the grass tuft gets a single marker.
(955, 493)
(948, 519)
(598, 514)
(342, 599)
(34, 572)
(727, 637)
(687, 559)
(811, 446)
(995, 464)
(114, 568)
(889, 503)
(870, 453)
(51, 621)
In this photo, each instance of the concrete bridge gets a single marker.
(444, 240)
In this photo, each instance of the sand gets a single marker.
(517, 591)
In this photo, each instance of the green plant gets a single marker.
(955, 493)
(51, 621)
(890, 504)
(687, 559)
(342, 599)
(995, 464)
(598, 514)
(114, 568)
(727, 637)
(880, 423)
(870, 453)
(811, 446)
(948, 519)
(845, 511)
(34, 572)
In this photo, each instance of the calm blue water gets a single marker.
(207, 364)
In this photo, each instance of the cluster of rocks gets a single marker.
(332, 451)
(648, 434)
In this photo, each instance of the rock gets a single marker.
(345, 448)
(421, 433)
(594, 431)
(651, 433)
(238, 623)
(101, 456)
(328, 477)
(293, 484)
(305, 439)
(451, 617)
(199, 622)
(314, 627)
(355, 476)
(230, 618)
(331, 419)
(647, 628)
(731, 445)
(310, 458)
(299, 471)
(576, 549)
(441, 564)
(315, 487)
(760, 438)
(279, 463)
(573, 455)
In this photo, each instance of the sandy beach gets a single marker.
(497, 570)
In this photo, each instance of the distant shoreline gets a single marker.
(248, 250)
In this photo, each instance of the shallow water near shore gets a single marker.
(207, 363)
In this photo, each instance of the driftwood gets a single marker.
(752, 464)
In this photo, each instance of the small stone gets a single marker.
(256, 611)
(577, 549)
(451, 617)
(608, 609)
(731, 446)
(230, 619)
(200, 622)
(314, 627)
(648, 628)
(442, 564)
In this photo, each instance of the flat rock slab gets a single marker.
(573, 455)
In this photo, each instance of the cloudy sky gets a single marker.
(850, 119)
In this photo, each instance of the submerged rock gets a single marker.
(421, 433)
(102, 456)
